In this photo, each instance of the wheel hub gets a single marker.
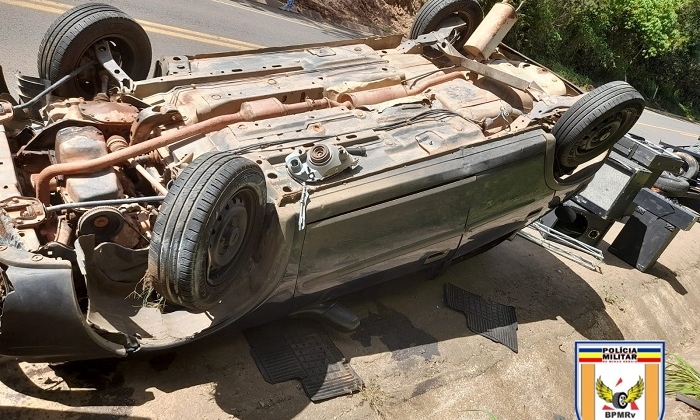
(88, 80)
(600, 133)
(228, 234)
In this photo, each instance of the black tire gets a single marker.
(200, 223)
(69, 40)
(691, 167)
(671, 185)
(595, 122)
(618, 400)
(435, 12)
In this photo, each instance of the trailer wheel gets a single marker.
(691, 167)
(595, 122)
(436, 13)
(207, 229)
(672, 185)
(68, 44)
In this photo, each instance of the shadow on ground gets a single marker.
(657, 270)
(24, 413)
(406, 316)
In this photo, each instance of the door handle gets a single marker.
(435, 256)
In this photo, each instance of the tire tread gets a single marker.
(185, 213)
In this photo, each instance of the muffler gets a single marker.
(491, 31)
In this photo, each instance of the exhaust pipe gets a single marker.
(250, 111)
(383, 94)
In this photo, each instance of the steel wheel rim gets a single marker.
(229, 235)
(603, 133)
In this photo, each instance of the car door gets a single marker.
(385, 240)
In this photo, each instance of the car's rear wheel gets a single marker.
(69, 42)
(436, 14)
(207, 229)
(595, 122)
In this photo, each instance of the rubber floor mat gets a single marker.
(301, 349)
(490, 319)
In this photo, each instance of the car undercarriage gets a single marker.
(239, 187)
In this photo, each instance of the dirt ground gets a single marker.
(389, 16)
(417, 357)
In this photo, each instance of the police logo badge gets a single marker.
(620, 380)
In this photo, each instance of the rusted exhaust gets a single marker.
(272, 107)
(491, 31)
(383, 94)
(250, 111)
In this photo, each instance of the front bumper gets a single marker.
(40, 316)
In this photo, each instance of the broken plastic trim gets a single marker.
(54, 86)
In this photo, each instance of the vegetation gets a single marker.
(681, 377)
(652, 44)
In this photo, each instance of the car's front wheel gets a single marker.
(69, 41)
(206, 230)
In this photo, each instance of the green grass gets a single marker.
(587, 84)
(580, 80)
(681, 377)
(692, 113)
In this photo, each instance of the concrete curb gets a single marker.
(317, 16)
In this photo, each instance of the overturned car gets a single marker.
(234, 188)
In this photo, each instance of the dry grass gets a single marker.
(373, 394)
(145, 292)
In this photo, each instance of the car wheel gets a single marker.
(68, 44)
(207, 229)
(690, 165)
(619, 400)
(436, 13)
(671, 185)
(595, 122)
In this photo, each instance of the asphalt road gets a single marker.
(204, 26)
(175, 27)
(657, 127)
